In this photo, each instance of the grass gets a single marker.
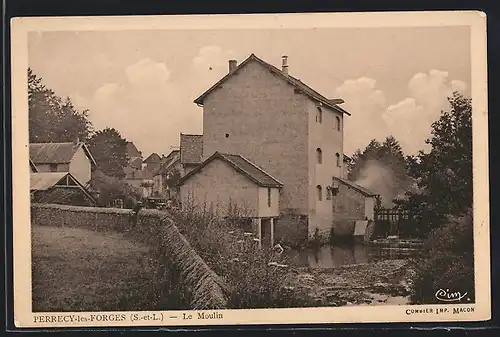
(81, 270)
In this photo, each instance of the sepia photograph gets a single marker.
(193, 170)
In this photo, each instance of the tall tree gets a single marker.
(444, 175)
(110, 152)
(52, 118)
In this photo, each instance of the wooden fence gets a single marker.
(390, 221)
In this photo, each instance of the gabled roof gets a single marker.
(43, 181)
(168, 161)
(241, 165)
(298, 84)
(153, 158)
(57, 153)
(132, 150)
(191, 148)
(366, 192)
(135, 162)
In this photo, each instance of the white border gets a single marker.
(359, 314)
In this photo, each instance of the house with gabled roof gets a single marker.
(72, 157)
(59, 188)
(224, 181)
(287, 129)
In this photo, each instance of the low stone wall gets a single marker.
(196, 285)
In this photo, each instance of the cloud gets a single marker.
(106, 91)
(147, 72)
(148, 107)
(409, 120)
(366, 103)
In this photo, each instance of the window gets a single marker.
(53, 167)
(319, 156)
(319, 115)
(337, 155)
(268, 197)
(319, 191)
(337, 123)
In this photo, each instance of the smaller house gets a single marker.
(59, 188)
(72, 157)
(151, 163)
(224, 183)
(134, 160)
(191, 151)
(171, 164)
(351, 203)
(142, 180)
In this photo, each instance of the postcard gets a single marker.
(204, 170)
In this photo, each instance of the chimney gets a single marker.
(284, 64)
(232, 65)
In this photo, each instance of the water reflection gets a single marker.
(335, 256)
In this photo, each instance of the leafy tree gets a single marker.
(52, 118)
(111, 188)
(110, 152)
(444, 175)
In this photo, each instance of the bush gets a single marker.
(110, 188)
(448, 262)
(256, 278)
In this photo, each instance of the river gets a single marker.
(329, 256)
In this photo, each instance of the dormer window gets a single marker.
(319, 115)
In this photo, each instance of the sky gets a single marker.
(394, 81)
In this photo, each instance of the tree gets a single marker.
(381, 167)
(110, 188)
(52, 118)
(444, 175)
(110, 152)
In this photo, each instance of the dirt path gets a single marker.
(379, 283)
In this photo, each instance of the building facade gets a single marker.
(282, 125)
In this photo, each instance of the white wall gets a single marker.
(264, 209)
(80, 167)
(329, 139)
(219, 185)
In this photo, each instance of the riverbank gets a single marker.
(385, 282)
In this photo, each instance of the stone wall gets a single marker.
(186, 272)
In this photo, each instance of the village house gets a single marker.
(171, 164)
(284, 128)
(134, 161)
(59, 188)
(72, 157)
(152, 163)
(181, 161)
(253, 192)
